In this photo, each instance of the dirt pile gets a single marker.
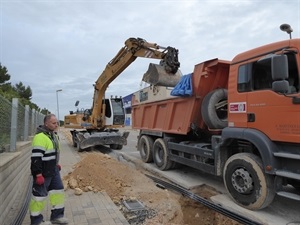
(100, 172)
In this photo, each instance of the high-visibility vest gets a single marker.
(45, 154)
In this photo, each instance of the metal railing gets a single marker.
(17, 123)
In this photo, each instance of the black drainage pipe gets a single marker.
(23, 211)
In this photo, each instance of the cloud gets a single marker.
(51, 45)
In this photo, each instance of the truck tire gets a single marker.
(214, 109)
(246, 182)
(160, 155)
(145, 146)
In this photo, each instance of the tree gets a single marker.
(4, 76)
(17, 91)
(45, 111)
(23, 92)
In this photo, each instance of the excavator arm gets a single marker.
(134, 47)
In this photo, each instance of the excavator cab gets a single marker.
(114, 111)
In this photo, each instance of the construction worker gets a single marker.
(46, 176)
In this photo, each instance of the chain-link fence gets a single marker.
(17, 123)
(5, 121)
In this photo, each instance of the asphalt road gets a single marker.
(281, 212)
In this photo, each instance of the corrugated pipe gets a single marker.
(23, 211)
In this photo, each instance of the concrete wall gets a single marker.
(14, 181)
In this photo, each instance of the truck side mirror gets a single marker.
(281, 86)
(280, 72)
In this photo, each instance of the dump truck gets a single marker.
(241, 123)
(99, 125)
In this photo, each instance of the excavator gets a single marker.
(99, 125)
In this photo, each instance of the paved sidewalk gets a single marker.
(86, 209)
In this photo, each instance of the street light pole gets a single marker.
(58, 105)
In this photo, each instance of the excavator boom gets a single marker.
(134, 48)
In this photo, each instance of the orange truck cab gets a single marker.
(242, 123)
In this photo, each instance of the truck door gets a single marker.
(237, 95)
(270, 111)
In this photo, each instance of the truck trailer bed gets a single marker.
(176, 114)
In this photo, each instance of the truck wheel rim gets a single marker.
(242, 181)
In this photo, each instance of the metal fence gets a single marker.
(17, 123)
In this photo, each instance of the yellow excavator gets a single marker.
(99, 125)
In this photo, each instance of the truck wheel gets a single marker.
(145, 147)
(160, 155)
(246, 182)
(214, 109)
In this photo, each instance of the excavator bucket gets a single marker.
(157, 75)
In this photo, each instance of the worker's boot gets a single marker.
(45, 223)
(61, 220)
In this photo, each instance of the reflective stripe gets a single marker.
(48, 158)
(49, 151)
(35, 213)
(37, 154)
(49, 155)
(58, 206)
(38, 198)
(56, 191)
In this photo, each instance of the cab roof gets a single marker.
(266, 49)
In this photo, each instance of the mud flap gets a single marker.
(157, 75)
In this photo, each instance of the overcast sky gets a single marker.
(63, 44)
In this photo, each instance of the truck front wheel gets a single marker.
(160, 155)
(145, 147)
(246, 182)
